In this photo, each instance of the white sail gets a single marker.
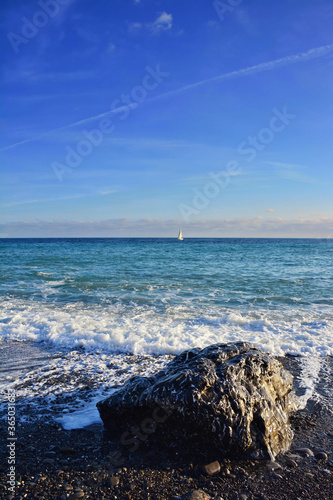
(180, 236)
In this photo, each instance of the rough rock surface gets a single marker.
(233, 398)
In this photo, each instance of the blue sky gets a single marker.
(135, 117)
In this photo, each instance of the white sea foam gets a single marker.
(141, 329)
(87, 415)
(66, 385)
(309, 378)
(119, 341)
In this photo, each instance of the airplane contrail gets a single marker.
(267, 66)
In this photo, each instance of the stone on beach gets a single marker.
(233, 398)
(113, 481)
(291, 463)
(196, 495)
(304, 452)
(212, 468)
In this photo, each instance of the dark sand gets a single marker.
(56, 464)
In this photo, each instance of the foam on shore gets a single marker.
(146, 329)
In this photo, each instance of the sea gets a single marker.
(81, 316)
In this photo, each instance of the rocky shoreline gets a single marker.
(53, 463)
(231, 399)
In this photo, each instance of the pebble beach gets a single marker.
(54, 463)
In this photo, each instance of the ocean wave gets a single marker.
(145, 329)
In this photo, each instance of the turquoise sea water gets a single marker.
(79, 317)
(160, 295)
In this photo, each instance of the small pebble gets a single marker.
(48, 461)
(113, 481)
(196, 495)
(49, 454)
(273, 465)
(294, 456)
(321, 455)
(305, 452)
(291, 463)
(212, 468)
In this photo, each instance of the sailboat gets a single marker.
(180, 235)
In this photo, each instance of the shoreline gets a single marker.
(53, 463)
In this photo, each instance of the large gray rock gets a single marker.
(232, 398)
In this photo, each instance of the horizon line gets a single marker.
(166, 237)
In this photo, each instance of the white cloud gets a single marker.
(162, 23)
(316, 227)
(270, 210)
